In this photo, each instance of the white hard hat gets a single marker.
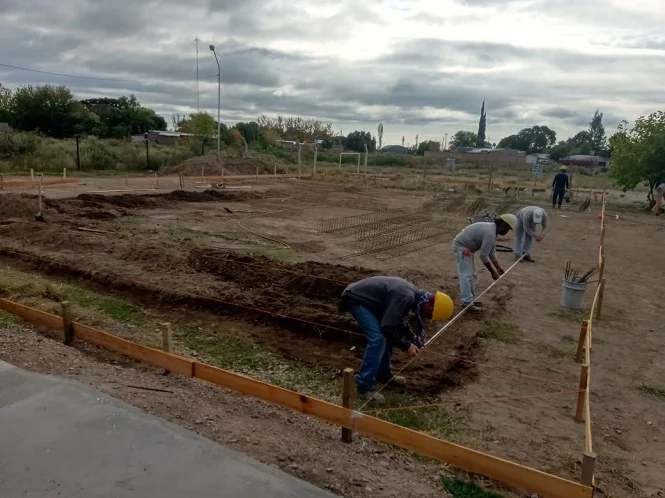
(538, 215)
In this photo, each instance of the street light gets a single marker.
(219, 95)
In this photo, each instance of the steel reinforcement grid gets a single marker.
(339, 224)
(391, 240)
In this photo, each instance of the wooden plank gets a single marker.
(588, 437)
(347, 401)
(511, 473)
(168, 361)
(32, 315)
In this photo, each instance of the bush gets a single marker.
(96, 154)
(18, 143)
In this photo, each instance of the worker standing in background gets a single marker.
(479, 237)
(658, 194)
(559, 186)
(532, 223)
(379, 305)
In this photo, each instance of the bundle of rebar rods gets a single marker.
(573, 276)
(339, 224)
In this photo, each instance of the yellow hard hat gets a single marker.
(511, 219)
(443, 307)
(563, 168)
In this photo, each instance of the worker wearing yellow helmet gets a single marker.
(379, 305)
(559, 186)
(479, 237)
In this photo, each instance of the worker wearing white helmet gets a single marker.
(479, 237)
(532, 223)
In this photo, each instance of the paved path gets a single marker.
(62, 439)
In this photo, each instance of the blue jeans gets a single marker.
(523, 241)
(466, 271)
(378, 352)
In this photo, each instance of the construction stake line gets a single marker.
(444, 328)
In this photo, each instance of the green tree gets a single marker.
(5, 104)
(537, 139)
(482, 127)
(464, 139)
(427, 145)
(356, 141)
(597, 137)
(638, 154)
(46, 109)
(580, 143)
(559, 151)
(123, 116)
(250, 131)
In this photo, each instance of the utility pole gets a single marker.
(197, 74)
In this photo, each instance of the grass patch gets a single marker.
(280, 254)
(443, 422)
(459, 488)
(652, 390)
(7, 319)
(502, 332)
(553, 351)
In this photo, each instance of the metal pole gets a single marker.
(365, 177)
(316, 150)
(219, 102)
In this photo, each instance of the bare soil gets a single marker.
(512, 366)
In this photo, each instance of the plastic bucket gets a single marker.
(572, 294)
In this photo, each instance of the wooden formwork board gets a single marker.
(511, 473)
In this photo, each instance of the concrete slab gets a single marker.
(61, 439)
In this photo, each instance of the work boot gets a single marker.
(474, 308)
(398, 381)
(377, 398)
(517, 257)
(528, 258)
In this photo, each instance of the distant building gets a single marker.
(167, 137)
(395, 149)
(488, 151)
(535, 158)
(586, 161)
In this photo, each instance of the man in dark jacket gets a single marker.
(559, 186)
(379, 305)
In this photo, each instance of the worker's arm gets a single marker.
(488, 254)
(554, 181)
(392, 322)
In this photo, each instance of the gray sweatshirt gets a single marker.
(481, 237)
(525, 215)
(390, 299)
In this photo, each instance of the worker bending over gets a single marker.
(479, 237)
(559, 186)
(532, 223)
(379, 305)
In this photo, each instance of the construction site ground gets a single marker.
(250, 283)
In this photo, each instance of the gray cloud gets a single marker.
(416, 82)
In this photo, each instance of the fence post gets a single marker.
(588, 464)
(316, 153)
(581, 395)
(66, 313)
(580, 344)
(601, 292)
(347, 401)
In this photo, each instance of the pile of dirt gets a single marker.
(21, 206)
(99, 206)
(212, 166)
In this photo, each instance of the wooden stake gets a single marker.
(347, 401)
(274, 172)
(64, 172)
(66, 313)
(588, 464)
(167, 338)
(581, 395)
(126, 180)
(32, 174)
(182, 186)
(257, 176)
(156, 180)
(601, 292)
(580, 344)
(202, 171)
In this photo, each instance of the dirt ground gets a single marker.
(257, 256)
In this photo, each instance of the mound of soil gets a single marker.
(99, 206)
(211, 166)
(21, 206)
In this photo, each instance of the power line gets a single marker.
(93, 78)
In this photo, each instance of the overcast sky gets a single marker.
(419, 66)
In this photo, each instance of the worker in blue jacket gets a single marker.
(379, 305)
(559, 186)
